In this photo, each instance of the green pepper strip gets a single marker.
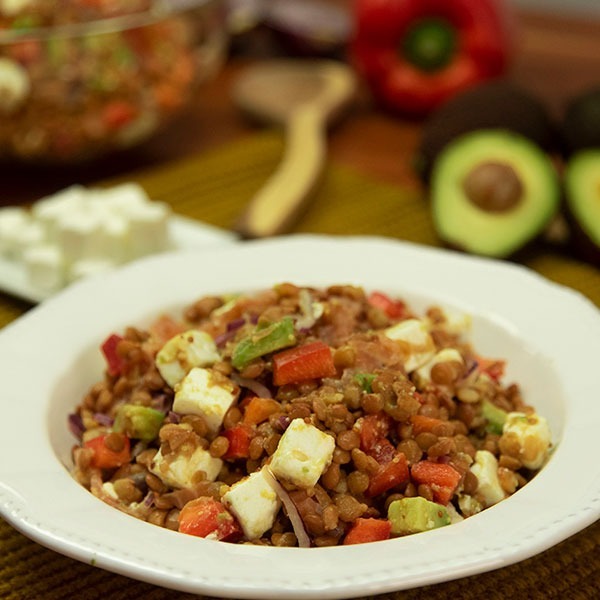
(365, 381)
(263, 341)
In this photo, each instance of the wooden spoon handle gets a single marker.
(279, 202)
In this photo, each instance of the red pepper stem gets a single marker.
(430, 44)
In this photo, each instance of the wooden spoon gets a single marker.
(304, 96)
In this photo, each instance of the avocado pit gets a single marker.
(493, 187)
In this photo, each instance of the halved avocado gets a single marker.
(496, 104)
(582, 200)
(492, 192)
(581, 122)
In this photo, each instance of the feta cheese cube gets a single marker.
(178, 470)
(44, 267)
(485, 469)
(50, 210)
(254, 503)
(303, 454)
(533, 436)
(149, 228)
(183, 352)
(79, 235)
(415, 340)
(13, 219)
(423, 374)
(203, 392)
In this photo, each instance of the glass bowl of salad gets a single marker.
(82, 78)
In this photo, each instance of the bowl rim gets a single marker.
(160, 9)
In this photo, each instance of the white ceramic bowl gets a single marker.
(550, 336)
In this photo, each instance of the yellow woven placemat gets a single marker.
(214, 188)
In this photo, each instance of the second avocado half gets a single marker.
(492, 192)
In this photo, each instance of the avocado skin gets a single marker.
(463, 226)
(581, 122)
(579, 168)
(497, 104)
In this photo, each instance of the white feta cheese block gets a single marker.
(183, 352)
(79, 235)
(202, 392)
(417, 344)
(149, 228)
(303, 454)
(121, 198)
(485, 468)
(254, 503)
(44, 267)
(533, 435)
(423, 374)
(13, 220)
(31, 234)
(15, 86)
(116, 235)
(50, 210)
(179, 470)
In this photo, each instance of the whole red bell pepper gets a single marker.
(415, 54)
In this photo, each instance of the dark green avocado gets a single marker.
(581, 122)
(497, 104)
(582, 202)
(492, 192)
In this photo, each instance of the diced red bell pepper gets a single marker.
(205, 517)
(106, 458)
(389, 475)
(239, 438)
(492, 367)
(118, 113)
(113, 360)
(423, 424)
(259, 410)
(442, 478)
(394, 309)
(372, 429)
(368, 530)
(311, 361)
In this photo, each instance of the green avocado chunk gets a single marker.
(582, 199)
(138, 422)
(414, 515)
(492, 192)
(494, 415)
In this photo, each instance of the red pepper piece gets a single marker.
(113, 360)
(118, 113)
(442, 478)
(389, 475)
(372, 429)
(492, 367)
(311, 361)
(394, 309)
(423, 424)
(206, 516)
(105, 457)
(368, 530)
(239, 438)
(258, 410)
(415, 54)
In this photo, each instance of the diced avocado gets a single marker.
(494, 415)
(413, 515)
(263, 340)
(497, 104)
(493, 192)
(581, 122)
(138, 422)
(582, 201)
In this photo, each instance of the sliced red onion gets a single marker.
(149, 499)
(254, 386)
(290, 508)
(223, 338)
(162, 403)
(103, 419)
(172, 417)
(76, 425)
(235, 324)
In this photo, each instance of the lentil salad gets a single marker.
(303, 416)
